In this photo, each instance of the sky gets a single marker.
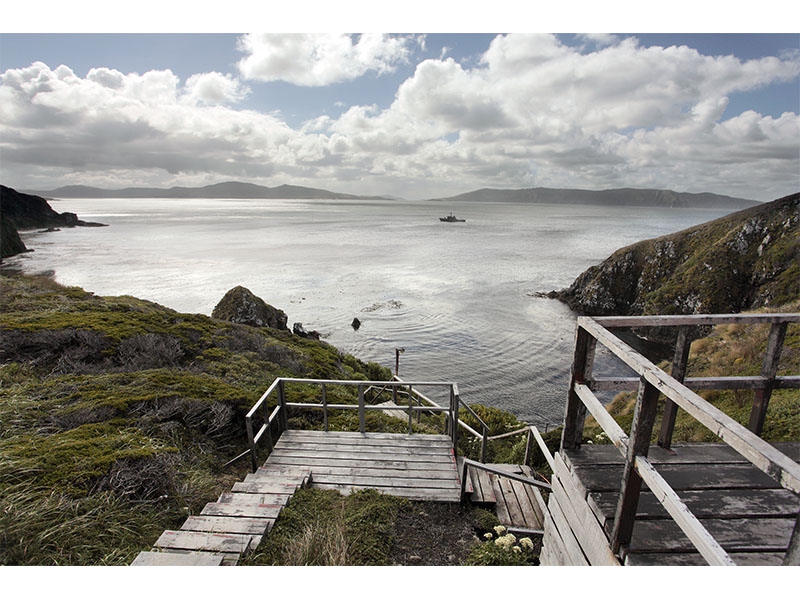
(416, 115)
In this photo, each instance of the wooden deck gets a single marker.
(418, 467)
(746, 511)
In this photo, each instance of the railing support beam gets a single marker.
(644, 416)
(679, 364)
(769, 369)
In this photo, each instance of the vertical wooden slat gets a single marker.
(644, 416)
(679, 364)
(361, 421)
(325, 406)
(456, 400)
(251, 442)
(769, 368)
(575, 412)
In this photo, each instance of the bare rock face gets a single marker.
(240, 305)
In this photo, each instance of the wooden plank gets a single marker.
(412, 493)
(734, 535)
(201, 540)
(370, 437)
(482, 481)
(328, 446)
(368, 481)
(606, 478)
(591, 537)
(219, 524)
(733, 503)
(554, 552)
(354, 468)
(177, 559)
(264, 487)
(243, 498)
(354, 458)
(573, 555)
(511, 502)
(750, 559)
(468, 486)
(264, 511)
(501, 507)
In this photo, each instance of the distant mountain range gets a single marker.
(234, 189)
(617, 197)
(229, 189)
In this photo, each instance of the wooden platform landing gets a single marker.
(748, 513)
(418, 467)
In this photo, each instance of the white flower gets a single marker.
(499, 529)
(526, 543)
(517, 549)
(487, 536)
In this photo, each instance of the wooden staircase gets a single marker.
(517, 505)
(233, 525)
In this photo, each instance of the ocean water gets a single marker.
(457, 297)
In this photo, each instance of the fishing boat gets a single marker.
(451, 218)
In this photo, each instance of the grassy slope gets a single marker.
(118, 416)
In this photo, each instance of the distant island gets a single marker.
(228, 189)
(615, 197)
(240, 190)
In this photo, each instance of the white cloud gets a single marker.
(215, 88)
(533, 112)
(320, 59)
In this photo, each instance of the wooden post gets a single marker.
(325, 406)
(575, 413)
(251, 442)
(284, 419)
(679, 364)
(483, 444)
(454, 401)
(410, 410)
(644, 416)
(361, 421)
(528, 445)
(268, 426)
(769, 368)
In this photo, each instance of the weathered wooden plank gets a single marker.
(412, 493)
(734, 535)
(605, 478)
(369, 481)
(482, 482)
(554, 552)
(205, 541)
(733, 503)
(592, 539)
(177, 559)
(378, 471)
(468, 486)
(501, 506)
(356, 459)
(573, 555)
(408, 453)
(694, 320)
(244, 498)
(219, 524)
(511, 502)
(264, 487)
(750, 559)
(264, 511)
(597, 454)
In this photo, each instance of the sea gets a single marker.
(453, 302)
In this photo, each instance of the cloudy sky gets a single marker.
(412, 115)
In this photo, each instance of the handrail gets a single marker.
(279, 413)
(484, 467)
(652, 381)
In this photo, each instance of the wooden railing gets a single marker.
(275, 421)
(651, 382)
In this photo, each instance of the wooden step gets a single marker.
(231, 543)
(220, 524)
(177, 559)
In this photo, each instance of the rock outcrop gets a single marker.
(25, 211)
(743, 261)
(240, 305)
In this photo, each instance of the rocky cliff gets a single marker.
(26, 211)
(746, 260)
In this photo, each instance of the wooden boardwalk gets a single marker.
(747, 512)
